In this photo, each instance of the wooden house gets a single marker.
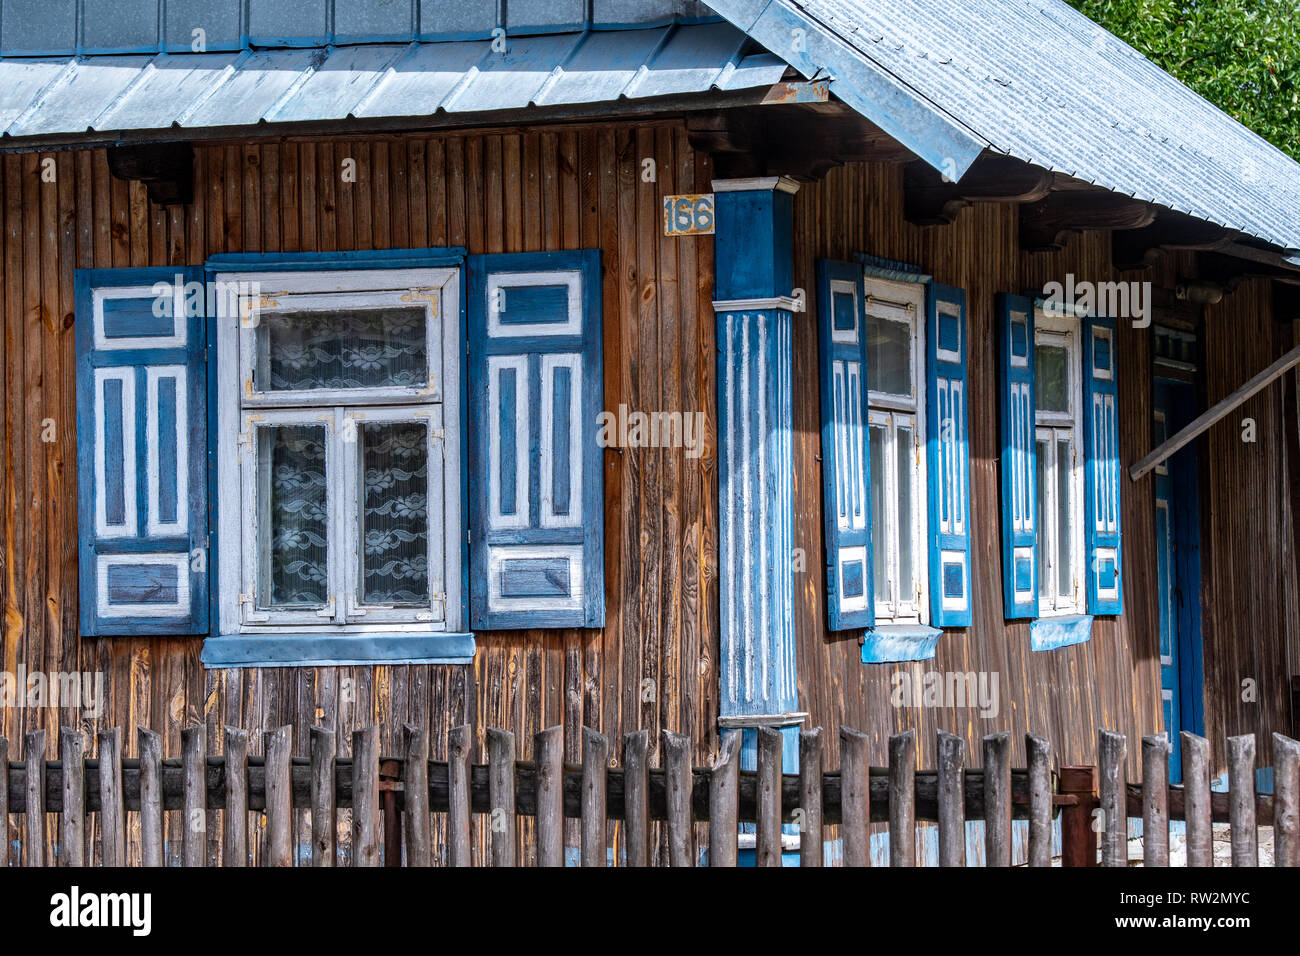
(667, 364)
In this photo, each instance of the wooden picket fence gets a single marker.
(391, 799)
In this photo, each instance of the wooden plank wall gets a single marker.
(1113, 680)
(653, 665)
(504, 191)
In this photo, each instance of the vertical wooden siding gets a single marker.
(514, 191)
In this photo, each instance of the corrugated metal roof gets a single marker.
(1041, 82)
(114, 94)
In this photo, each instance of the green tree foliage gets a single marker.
(1241, 55)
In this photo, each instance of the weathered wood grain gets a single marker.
(724, 792)
(151, 799)
(1111, 789)
(810, 796)
(365, 797)
(4, 802)
(595, 768)
(1241, 788)
(459, 742)
(855, 797)
(194, 760)
(279, 797)
(952, 803)
(1039, 751)
(34, 823)
(1196, 790)
(415, 796)
(1286, 807)
(72, 818)
(902, 798)
(1155, 800)
(548, 746)
(678, 784)
(112, 809)
(636, 797)
(997, 800)
(234, 816)
(768, 841)
(323, 806)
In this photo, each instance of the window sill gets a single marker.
(1049, 633)
(899, 642)
(319, 650)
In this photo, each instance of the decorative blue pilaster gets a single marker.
(754, 307)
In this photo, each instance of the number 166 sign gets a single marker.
(688, 215)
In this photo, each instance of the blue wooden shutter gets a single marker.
(142, 451)
(1019, 454)
(536, 383)
(1101, 475)
(947, 457)
(846, 466)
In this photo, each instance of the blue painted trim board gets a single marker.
(303, 650)
(895, 643)
(1050, 633)
(1018, 471)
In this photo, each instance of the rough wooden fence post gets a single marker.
(194, 757)
(1196, 800)
(151, 797)
(1286, 800)
(724, 802)
(855, 798)
(279, 797)
(501, 796)
(72, 824)
(548, 749)
(679, 782)
(902, 799)
(1039, 751)
(460, 741)
(1241, 800)
(997, 799)
(112, 812)
(4, 803)
(324, 746)
(595, 772)
(952, 800)
(34, 821)
(1111, 750)
(365, 797)
(810, 797)
(1155, 800)
(636, 797)
(234, 819)
(767, 845)
(415, 794)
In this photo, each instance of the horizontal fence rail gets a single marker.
(390, 800)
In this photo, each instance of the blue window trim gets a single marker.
(324, 650)
(1050, 633)
(880, 268)
(245, 650)
(893, 643)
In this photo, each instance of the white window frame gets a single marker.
(241, 409)
(1063, 331)
(904, 303)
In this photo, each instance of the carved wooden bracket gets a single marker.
(166, 169)
(1138, 248)
(1045, 224)
(929, 200)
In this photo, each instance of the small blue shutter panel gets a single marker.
(947, 457)
(536, 489)
(142, 448)
(1101, 475)
(1015, 316)
(846, 466)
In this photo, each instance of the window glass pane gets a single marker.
(348, 348)
(880, 521)
(1051, 378)
(1065, 586)
(906, 520)
(293, 513)
(889, 356)
(394, 513)
(1044, 468)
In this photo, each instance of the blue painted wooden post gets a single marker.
(754, 308)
